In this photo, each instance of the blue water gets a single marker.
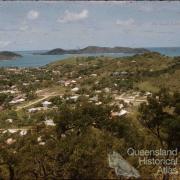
(168, 51)
(29, 59)
(33, 60)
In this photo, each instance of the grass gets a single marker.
(147, 86)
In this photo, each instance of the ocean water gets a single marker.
(29, 59)
(34, 60)
(168, 51)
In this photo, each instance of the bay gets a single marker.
(29, 59)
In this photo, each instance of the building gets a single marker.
(75, 89)
(46, 104)
(49, 122)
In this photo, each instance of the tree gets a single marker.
(3, 98)
(161, 116)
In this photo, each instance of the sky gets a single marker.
(47, 25)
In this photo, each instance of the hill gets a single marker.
(96, 49)
(8, 55)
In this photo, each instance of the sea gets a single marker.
(33, 59)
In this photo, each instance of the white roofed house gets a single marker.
(9, 120)
(124, 73)
(94, 98)
(73, 81)
(49, 122)
(93, 75)
(17, 101)
(32, 110)
(107, 90)
(122, 112)
(46, 104)
(74, 97)
(10, 141)
(75, 89)
(23, 132)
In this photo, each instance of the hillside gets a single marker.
(96, 50)
(8, 55)
(77, 118)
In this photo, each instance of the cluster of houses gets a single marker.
(122, 100)
(10, 140)
(17, 100)
(67, 83)
(45, 105)
(10, 89)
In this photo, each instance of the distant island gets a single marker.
(8, 55)
(95, 50)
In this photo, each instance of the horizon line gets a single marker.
(92, 45)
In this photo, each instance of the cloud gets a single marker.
(125, 23)
(166, 23)
(71, 16)
(4, 44)
(32, 14)
(146, 8)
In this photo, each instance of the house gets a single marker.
(74, 97)
(17, 101)
(107, 90)
(63, 135)
(148, 94)
(98, 91)
(39, 139)
(93, 75)
(12, 131)
(121, 113)
(95, 98)
(67, 83)
(25, 84)
(73, 81)
(42, 143)
(49, 122)
(121, 106)
(75, 89)
(98, 103)
(10, 141)
(115, 73)
(5, 131)
(9, 91)
(46, 104)
(32, 110)
(124, 73)
(23, 132)
(9, 120)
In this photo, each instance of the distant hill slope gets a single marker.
(96, 49)
(8, 55)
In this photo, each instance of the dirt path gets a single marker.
(45, 96)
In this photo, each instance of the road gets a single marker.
(45, 96)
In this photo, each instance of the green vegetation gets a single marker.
(162, 117)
